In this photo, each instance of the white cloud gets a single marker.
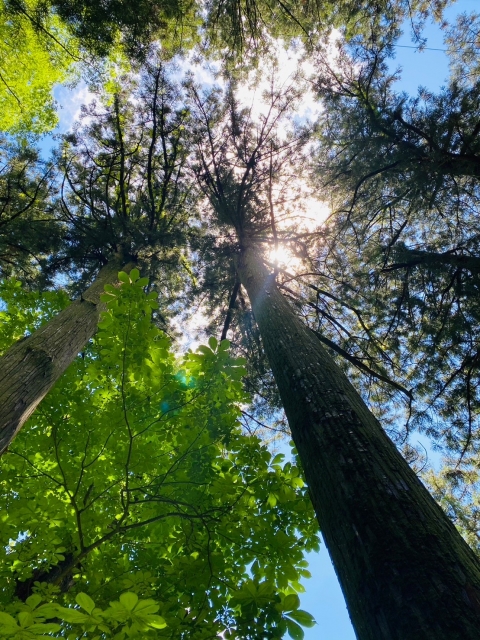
(70, 101)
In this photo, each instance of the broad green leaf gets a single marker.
(129, 600)
(33, 601)
(85, 602)
(291, 602)
(25, 619)
(146, 607)
(294, 630)
(72, 615)
(303, 617)
(156, 622)
(7, 620)
(134, 275)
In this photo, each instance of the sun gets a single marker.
(282, 257)
(310, 216)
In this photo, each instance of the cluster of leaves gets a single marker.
(102, 26)
(22, 311)
(46, 43)
(35, 54)
(248, 26)
(127, 617)
(134, 475)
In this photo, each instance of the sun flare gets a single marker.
(283, 257)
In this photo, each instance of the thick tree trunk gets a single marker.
(405, 571)
(30, 368)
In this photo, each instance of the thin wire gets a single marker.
(406, 46)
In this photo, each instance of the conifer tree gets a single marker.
(393, 548)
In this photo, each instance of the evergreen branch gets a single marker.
(361, 365)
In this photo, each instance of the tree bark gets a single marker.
(30, 368)
(405, 571)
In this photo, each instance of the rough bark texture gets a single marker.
(30, 368)
(405, 571)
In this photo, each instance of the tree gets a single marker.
(99, 27)
(247, 28)
(29, 232)
(238, 170)
(31, 367)
(462, 40)
(105, 222)
(403, 241)
(390, 543)
(457, 491)
(134, 476)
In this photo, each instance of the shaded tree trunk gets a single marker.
(30, 368)
(405, 571)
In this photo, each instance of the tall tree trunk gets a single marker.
(30, 368)
(405, 571)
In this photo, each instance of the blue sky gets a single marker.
(323, 597)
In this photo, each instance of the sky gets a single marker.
(429, 69)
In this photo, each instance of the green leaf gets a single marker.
(134, 275)
(156, 622)
(303, 617)
(7, 620)
(33, 601)
(271, 500)
(212, 343)
(146, 607)
(44, 629)
(292, 601)
(129, 600)
(294, 630)
(85, 602)
(123, 277)
(72, 615)
(25, 619)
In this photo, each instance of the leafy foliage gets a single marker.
(247, 27)
(102, 26)
(134, 484)
(22, 311)
(33, 58)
